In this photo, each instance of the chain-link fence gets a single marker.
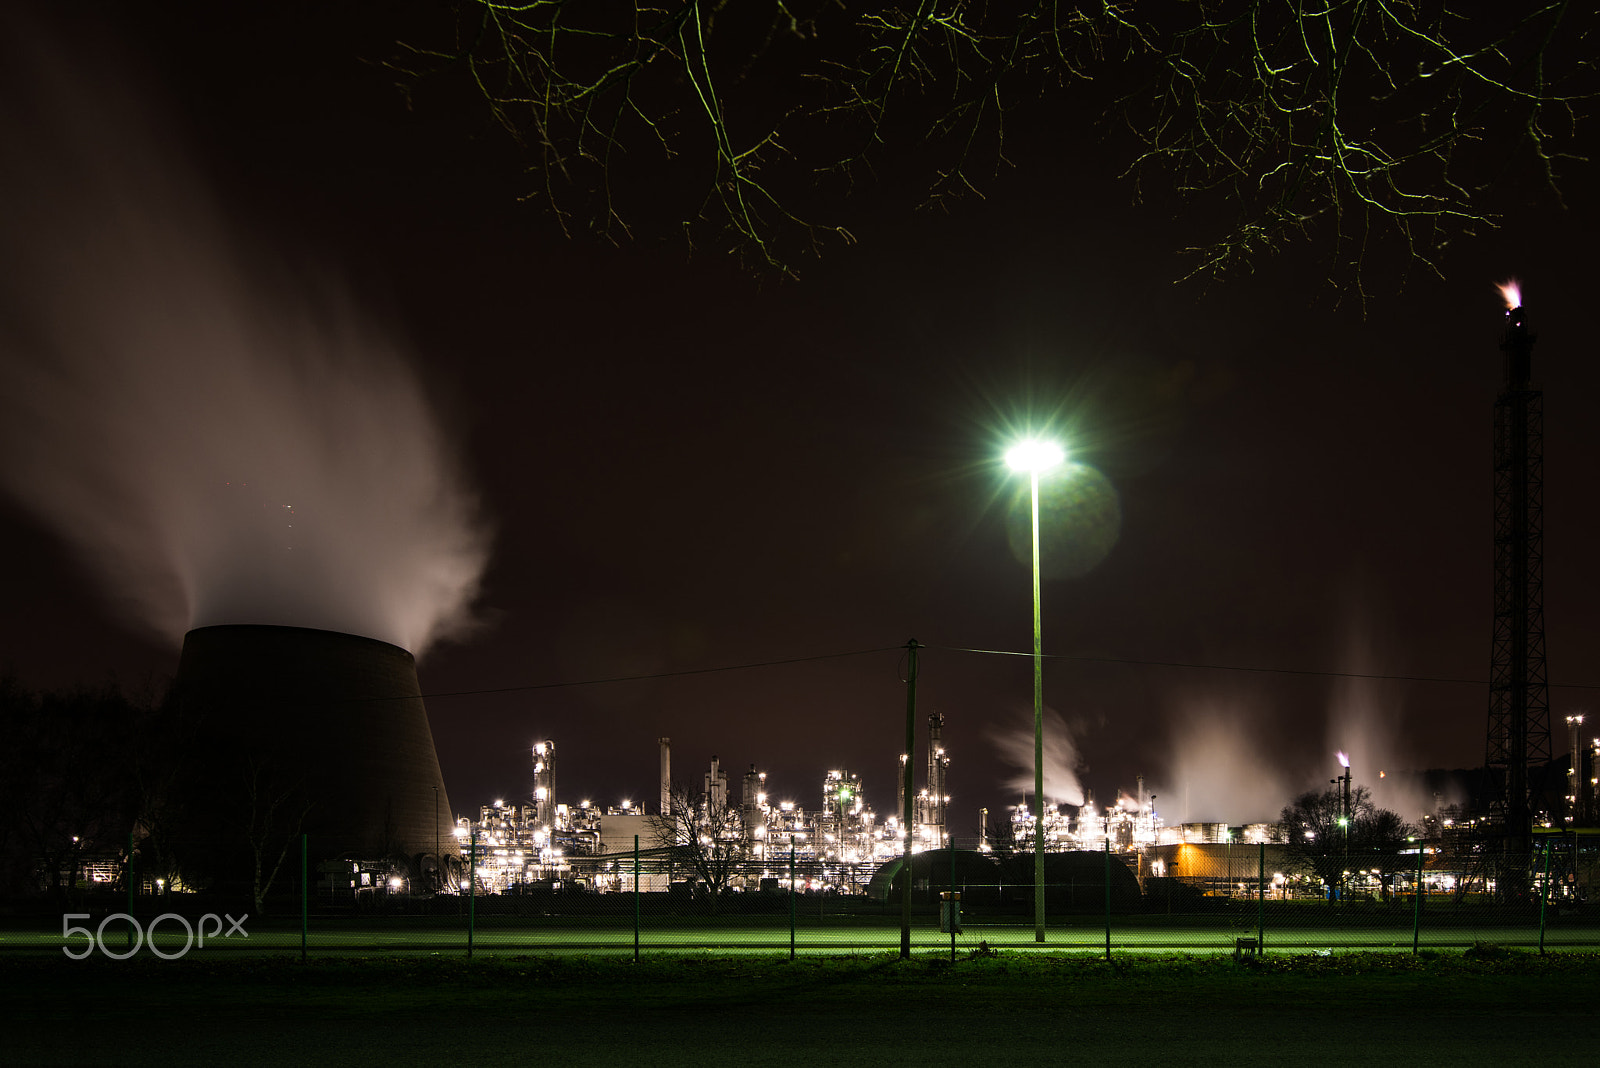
(1216, 897)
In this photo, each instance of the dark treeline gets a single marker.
(80, 770)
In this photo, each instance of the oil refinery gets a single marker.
(839, 842)
(551, 842)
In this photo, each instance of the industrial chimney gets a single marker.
(1519, 696)
(666, 775)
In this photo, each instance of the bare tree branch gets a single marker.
(708, 833)
(276, 814)
(1347, 121)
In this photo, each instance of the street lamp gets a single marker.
(1034, 456)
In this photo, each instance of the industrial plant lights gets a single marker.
(1034, 456)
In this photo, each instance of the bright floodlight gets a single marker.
(1034, 455)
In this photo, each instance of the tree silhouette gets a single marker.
(1321, 840)
(708, 836)
(68, 788)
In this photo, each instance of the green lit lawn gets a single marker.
(613, 935)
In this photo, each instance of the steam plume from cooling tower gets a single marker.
(1061, 760)
(1219, 770)
(1363, 724)
(222, 443)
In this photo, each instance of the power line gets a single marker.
(1196, 665)
(662, 674)
(1128, 661)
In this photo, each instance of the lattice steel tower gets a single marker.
(1519, 701)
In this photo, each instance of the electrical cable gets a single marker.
(1129, 661)
(1135, 662)
(661, 674)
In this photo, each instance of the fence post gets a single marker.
(792, 896)
(1416, 908)
(954, 908)
(1108, 898)
(907, 825)
(1261, 900)
(128, 878)
(1544, 894)
(472, 888)
(303, 892)
(636, 899)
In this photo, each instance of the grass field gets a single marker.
(1484, 1006)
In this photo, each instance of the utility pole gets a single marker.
(911, 744)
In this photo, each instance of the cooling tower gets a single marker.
(309, 728)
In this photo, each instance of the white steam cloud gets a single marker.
(1061, 760)
(1364, 722)
(1221, 771)
(221, 442)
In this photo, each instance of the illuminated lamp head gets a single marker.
(1034, 455)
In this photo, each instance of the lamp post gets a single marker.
(1034, 456)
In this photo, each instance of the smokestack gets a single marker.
(1519, 697)
(1517, 343)
(291, 731)
(716, 786)
(1347, 813)
(666, 775)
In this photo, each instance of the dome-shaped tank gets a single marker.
(931, 871)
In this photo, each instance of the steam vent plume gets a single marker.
(314, 731)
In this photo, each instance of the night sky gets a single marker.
(684, 468)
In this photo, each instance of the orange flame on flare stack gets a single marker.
(1344, 760)
(1511, 292)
